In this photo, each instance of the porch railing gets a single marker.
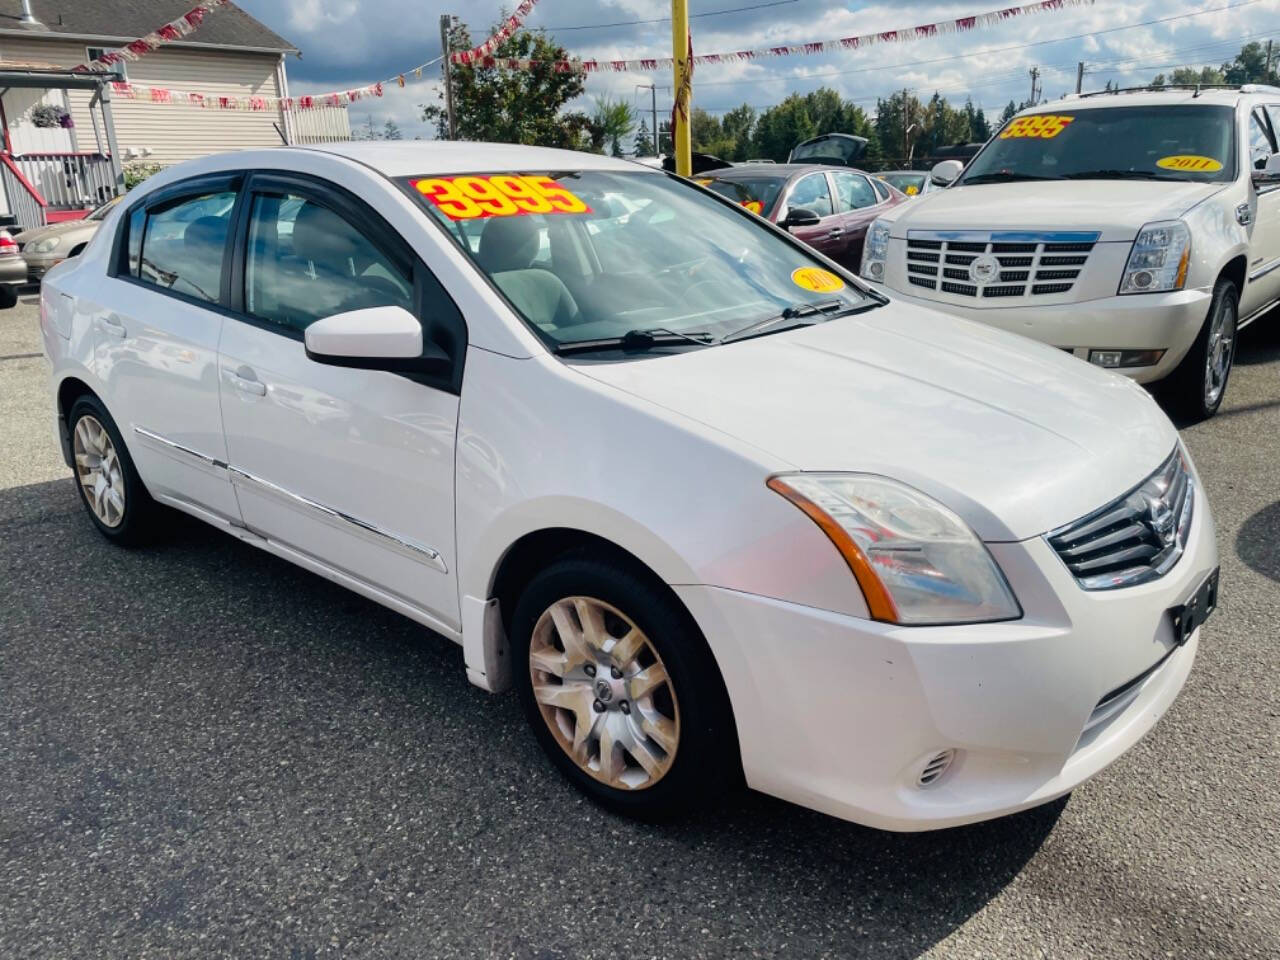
(26, 205)
(69, 181)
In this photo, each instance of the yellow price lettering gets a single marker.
(499, 195)
(448, 199)
(1042, 125)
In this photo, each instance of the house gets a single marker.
(69, 164)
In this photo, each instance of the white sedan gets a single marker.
(714, 509)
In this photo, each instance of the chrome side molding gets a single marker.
(176, 447)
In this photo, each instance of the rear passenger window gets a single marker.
(854, 192)
(183, 244)
(306, 262)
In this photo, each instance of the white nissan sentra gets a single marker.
(714, 509)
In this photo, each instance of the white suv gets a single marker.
(1138, 230)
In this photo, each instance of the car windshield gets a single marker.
(1173, 142)
(598, 255)
(908, 183)
(755, 193)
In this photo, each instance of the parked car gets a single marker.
(829, 209)
(912, 183)
(1138, 230)
(13, 270)
(42, 247)
(714, 510)
(834, 149)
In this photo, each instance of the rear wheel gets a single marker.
(1196, 388)
(621, 690)
(8, 297)
(108, 483)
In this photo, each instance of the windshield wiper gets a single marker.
(636, 340)
(1117, 175)
(1003, 176)
(825, 310)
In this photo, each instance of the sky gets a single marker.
(348, 43)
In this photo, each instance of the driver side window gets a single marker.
(812, 193)
(1261, 143)
(306, 262)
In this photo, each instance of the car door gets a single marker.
(857, 205)
(813, 192)
(156, 341)
(350, 469)
(1263, 284)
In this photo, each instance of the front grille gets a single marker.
(1014, 262)
(1134, 539)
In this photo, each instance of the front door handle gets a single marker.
(112, 326)
(835, 232)
(245, 381)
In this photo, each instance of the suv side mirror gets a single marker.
(1269, 175)
(800, 217)
(944, 174)
(375, 338)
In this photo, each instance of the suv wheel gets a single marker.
(1197, 386)
(621, 690)
(108, 483)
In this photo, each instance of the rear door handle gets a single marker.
(111, 325)
(247, 384)
(835, 231)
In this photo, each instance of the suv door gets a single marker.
(1263, 284)
(156, 346)
(351, 469)
(813, 192)
(857, 205)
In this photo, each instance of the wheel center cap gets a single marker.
(604, 691)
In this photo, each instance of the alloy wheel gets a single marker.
(98, 470)
(604, 693)
(1219, 352)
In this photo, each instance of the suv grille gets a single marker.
(996, 265)
(1136, 538)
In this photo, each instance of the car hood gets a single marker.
(1118, 209)
(53, 230)
(1016, 437)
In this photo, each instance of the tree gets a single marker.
(391, 131)
(615, 119)
(644, 143)
(782, 127)
(1008, 112)
(1190, 76)
(1249, 66)
(1158, 81)
(737, 125)
(979, 128)
(517, 106)
(896, 116)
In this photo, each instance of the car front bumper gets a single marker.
(13, 270)
(1155, 321)
(38, 264)
(842, 714)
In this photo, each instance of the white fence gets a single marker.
(320, 125)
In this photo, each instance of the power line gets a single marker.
(692, 16)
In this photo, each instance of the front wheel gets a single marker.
(621, 690)
(1196, 388)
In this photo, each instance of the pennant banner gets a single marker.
(171, 31)
(482, 56)
(187, 98)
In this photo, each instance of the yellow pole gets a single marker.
(681, 142)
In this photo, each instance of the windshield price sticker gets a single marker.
(1190, 162)
(498, 195)
(816, 280)
(911, 190)
(1045, 126)
(755, 206)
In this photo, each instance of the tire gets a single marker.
(1196, 388)
(108, 483)
(8, 297)
(675, 719)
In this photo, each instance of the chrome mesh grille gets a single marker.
(1017, 263)
(1134, 539)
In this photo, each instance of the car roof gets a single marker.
(406, 158)
(1165, 97)
(778, 171)
(913, 173)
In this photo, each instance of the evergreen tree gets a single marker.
(644, 143)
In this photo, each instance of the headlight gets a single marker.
(875, 251)
(1159, 258)
(47, 245)
(915, 560)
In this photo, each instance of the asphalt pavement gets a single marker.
(207, 752)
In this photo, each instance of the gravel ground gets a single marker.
(207, 752)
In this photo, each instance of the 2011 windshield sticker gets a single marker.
(1192, 163)
(497, 195)
(1046, 126)
(816, 279)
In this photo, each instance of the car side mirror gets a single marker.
(800, 217)
(944, 174)
(1269, 175)
(375, 338)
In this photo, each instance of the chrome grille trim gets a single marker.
(1135, 538)
(1021, 257)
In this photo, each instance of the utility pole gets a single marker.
(1035, 85)
(653, 93)
(446, 22)
(906, 126)
(1266, 74)
(681, 140)
(1079, 76)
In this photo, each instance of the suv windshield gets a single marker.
(1174, 142)
(908, 183)
(595, 255)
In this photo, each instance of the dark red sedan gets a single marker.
(827, 207)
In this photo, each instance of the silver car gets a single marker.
(43, 247)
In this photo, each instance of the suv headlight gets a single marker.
(915, 560)
(875, 251)
(47, 245)
(1159, 258)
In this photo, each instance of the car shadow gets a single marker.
(1258, 542)
(1260, 341)
(267, 728)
